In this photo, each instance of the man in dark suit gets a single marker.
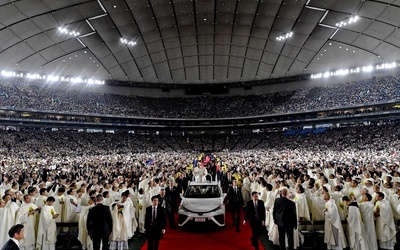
(226, 181)
(235, 204)
(173, 193)
(154, 224)
(165, 202)
(285, 218)
(16, 234)
(255, 214)
(99, 224)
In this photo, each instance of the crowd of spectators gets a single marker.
(71, 160)
(17, 94)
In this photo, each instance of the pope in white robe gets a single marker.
(47, 230)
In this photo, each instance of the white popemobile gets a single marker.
(202, 202)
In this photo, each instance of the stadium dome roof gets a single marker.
(198, 41)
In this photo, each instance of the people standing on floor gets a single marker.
(155, 223)
(285, 217)
(47, 230)
(26, 215)
(255, 215)
(235, 204)
(16, 234)
(334, 235)
(99, 224)
(173, 193)
(385, 227)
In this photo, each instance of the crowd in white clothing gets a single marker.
(361, 163)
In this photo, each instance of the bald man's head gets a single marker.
(284, 192)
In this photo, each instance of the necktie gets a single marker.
(255, 209)
(154, 214)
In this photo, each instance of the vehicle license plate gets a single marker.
(199, 219)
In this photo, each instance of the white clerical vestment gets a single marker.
(385, 227)
(367, 214)
(30, 225)
(334, 236)
(83, 235)
(7, 220)
(356, 236)
(47, 230)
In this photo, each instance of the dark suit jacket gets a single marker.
(99, 221)
(167, 201)
(251, 212)
(225, 182)
(284, 213)
(154, 229)
(174, 196)
(235, 200)
(10, 245)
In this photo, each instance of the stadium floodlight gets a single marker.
(51, 78)
(76, 80)
(93, 81)
(285, 36)
(66, 31)
(387, 66)
(348, 21)
(127, 42)
(368, 68)
(8, 73)
(33, 76)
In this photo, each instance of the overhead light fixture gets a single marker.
(285, 36)
(127, 42)
(365, 69)
(66, 31)
(347, 22)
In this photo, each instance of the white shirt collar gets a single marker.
(16, 241)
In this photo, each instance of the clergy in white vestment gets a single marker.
(385, 227)
(269, 204)
(144, 201)
(26, 216)
(121, 227)
(334, 235)
(395, 202)
(59, 204)
(70, 206)
(7, 218)
(41, 200)
(300, 199)
(356, 235)
(83, 235)
(367, 214)
(246, 190)
(47, 229)
(130, 211)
